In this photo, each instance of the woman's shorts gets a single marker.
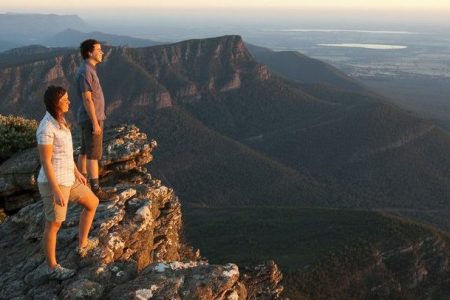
(57, 213)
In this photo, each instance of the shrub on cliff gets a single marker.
(16, 133)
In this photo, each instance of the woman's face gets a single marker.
(63, 104)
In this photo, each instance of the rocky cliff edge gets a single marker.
(140, 255)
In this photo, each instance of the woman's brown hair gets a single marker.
(51, 99)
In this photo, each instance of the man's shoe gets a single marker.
(92, 243)
(60, 273)
(101, 194)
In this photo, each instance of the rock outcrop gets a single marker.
(18, 177)
(140, 254)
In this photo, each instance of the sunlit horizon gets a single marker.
(338, 13)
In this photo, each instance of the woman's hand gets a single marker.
(45, 155)
(59, 199)
(80, 176)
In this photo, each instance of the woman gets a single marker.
(60, 181)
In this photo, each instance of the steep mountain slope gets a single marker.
(208, 101)
(209, 169)
(330, 254)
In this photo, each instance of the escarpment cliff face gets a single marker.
(150, 78)
(192, 68)
(141, 254)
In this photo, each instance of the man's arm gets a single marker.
(90, 108)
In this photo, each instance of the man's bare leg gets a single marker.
(92, 168)
(82, 164)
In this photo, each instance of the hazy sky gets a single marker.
(242, 11)
(436, 5)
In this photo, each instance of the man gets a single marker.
(91, 114)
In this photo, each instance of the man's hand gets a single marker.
(90, 109)
(96, 129)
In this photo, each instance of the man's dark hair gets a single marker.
(51, 99)
(87, 46)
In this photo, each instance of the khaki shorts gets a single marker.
(57, 213)
(91, 144)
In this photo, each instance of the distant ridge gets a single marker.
(27, 50)
(72, 38)
(293, 65)
(5, 45)
(31, 27)
(53, 30)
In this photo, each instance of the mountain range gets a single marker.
(72, 38)
(26, 29)
(52, 30)
(226, 120)
(240, 130)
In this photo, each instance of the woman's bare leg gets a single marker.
(50, 234)
(90, 203)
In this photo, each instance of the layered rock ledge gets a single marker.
(140, 255)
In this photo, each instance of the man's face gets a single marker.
(97, 53)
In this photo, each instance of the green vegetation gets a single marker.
(208, 169)
(16, 133)
(293, 236)
(323, 253)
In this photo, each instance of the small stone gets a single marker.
(120, 274)
(233, 296)
(231, 270)
(161, 267)
(115, 269)
(145, 294)
(143, 213)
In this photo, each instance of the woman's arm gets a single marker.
(45, 155)
(79, 176)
